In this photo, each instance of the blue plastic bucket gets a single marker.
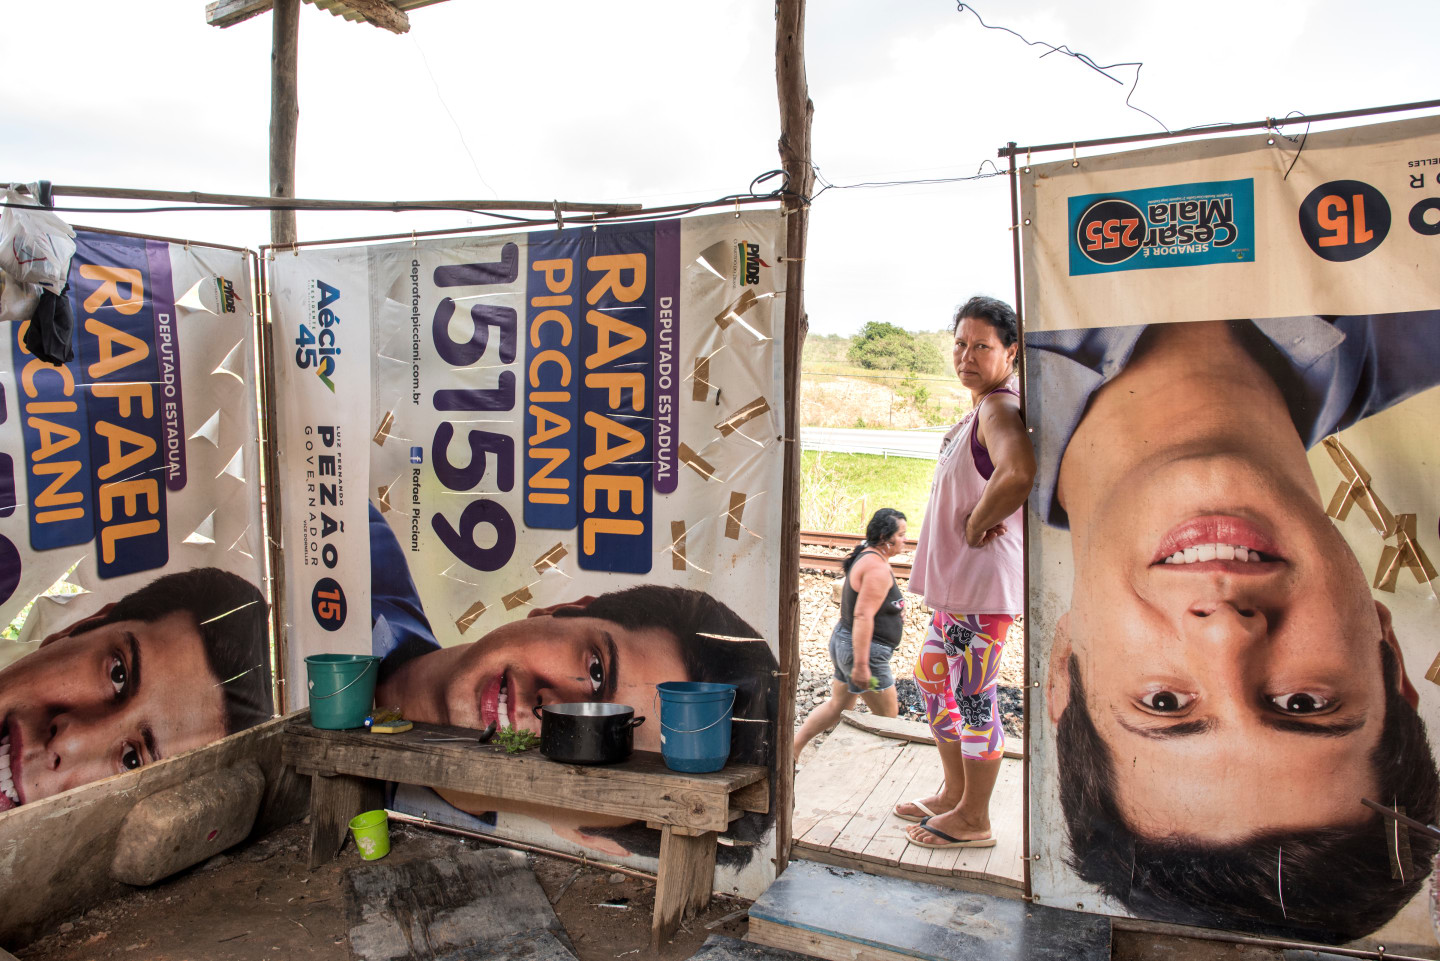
(342, 688)
(695, 724)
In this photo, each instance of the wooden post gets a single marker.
(683, 881)
(795, 114)
(334, 800)
(284, 115)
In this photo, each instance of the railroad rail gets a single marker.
(809, 560)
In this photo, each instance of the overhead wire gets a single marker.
(1104, 71)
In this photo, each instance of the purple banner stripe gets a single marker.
(667, 355)
(167, 359)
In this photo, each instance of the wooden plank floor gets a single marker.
(845, 795)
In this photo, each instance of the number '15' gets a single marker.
(1331, 214)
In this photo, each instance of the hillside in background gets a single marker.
(838, 492)
(837, 391)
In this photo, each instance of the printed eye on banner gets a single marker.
(1176, 226)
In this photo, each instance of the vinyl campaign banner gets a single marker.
(1232, 357)
(132, 564)
(541, 468)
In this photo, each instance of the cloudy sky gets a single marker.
(658, 101)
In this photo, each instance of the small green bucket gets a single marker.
(342, 688)
(372, 834)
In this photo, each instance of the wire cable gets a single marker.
(961, 7)
(980, 174)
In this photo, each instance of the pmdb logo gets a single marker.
(748, 263)
(225, 295)
(316, 348)
(1180, 225)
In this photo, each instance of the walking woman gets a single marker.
(872, 618)
(968, 567)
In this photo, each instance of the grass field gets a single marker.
(837, 393)
(839, 492)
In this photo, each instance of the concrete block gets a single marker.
(476, 905)
(173, 829)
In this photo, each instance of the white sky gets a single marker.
(658, 101)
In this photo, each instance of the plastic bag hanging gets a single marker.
(35, 244)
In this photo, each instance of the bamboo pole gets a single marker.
(284, 114)
(796, 111)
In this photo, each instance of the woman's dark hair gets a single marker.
(716, 645)
(233, 622)
(996, 313)
(883, 525)
(1333, 885)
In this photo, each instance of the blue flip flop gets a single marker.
(949, 841)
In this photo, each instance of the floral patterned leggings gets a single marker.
(957, 671)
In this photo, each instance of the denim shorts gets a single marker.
(842, 653)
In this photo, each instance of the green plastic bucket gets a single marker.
(342, 688)
(372, 834)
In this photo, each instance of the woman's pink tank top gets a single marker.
(953, 576)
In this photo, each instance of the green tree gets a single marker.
(884, 346)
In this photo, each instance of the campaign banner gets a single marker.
(548, 466)
(132, 559)
(1233, 533)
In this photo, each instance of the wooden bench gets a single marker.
(348, 769)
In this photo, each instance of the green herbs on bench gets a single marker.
(516, 740)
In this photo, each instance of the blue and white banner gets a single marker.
(1235, 530)
(535, 468)
(132, 557)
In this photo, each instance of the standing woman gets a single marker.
(872, 618)
(968, 566)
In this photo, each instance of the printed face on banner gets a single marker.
(549, 466)
(1243, 514)
(128, 562)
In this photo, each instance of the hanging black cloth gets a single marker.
(48, 336)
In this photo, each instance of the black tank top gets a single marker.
(889, 619)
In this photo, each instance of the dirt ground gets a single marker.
(262, 903)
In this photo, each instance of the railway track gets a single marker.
(812, 561)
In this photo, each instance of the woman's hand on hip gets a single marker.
(981, 538)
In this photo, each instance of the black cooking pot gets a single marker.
(587, 732)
